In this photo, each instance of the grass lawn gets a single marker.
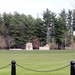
(37, 60)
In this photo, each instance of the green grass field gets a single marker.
(37, 60)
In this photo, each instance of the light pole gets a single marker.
(49, 27)
(72, 37)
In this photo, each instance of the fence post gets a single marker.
(72, 68)
(13, 67)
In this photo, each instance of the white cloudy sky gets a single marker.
(34, 6)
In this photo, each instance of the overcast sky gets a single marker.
(34, 6)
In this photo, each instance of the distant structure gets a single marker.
(46, 47)
(29, 46)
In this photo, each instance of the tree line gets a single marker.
(18, 29)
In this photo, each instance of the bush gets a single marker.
(3, 44)
(53, 45)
